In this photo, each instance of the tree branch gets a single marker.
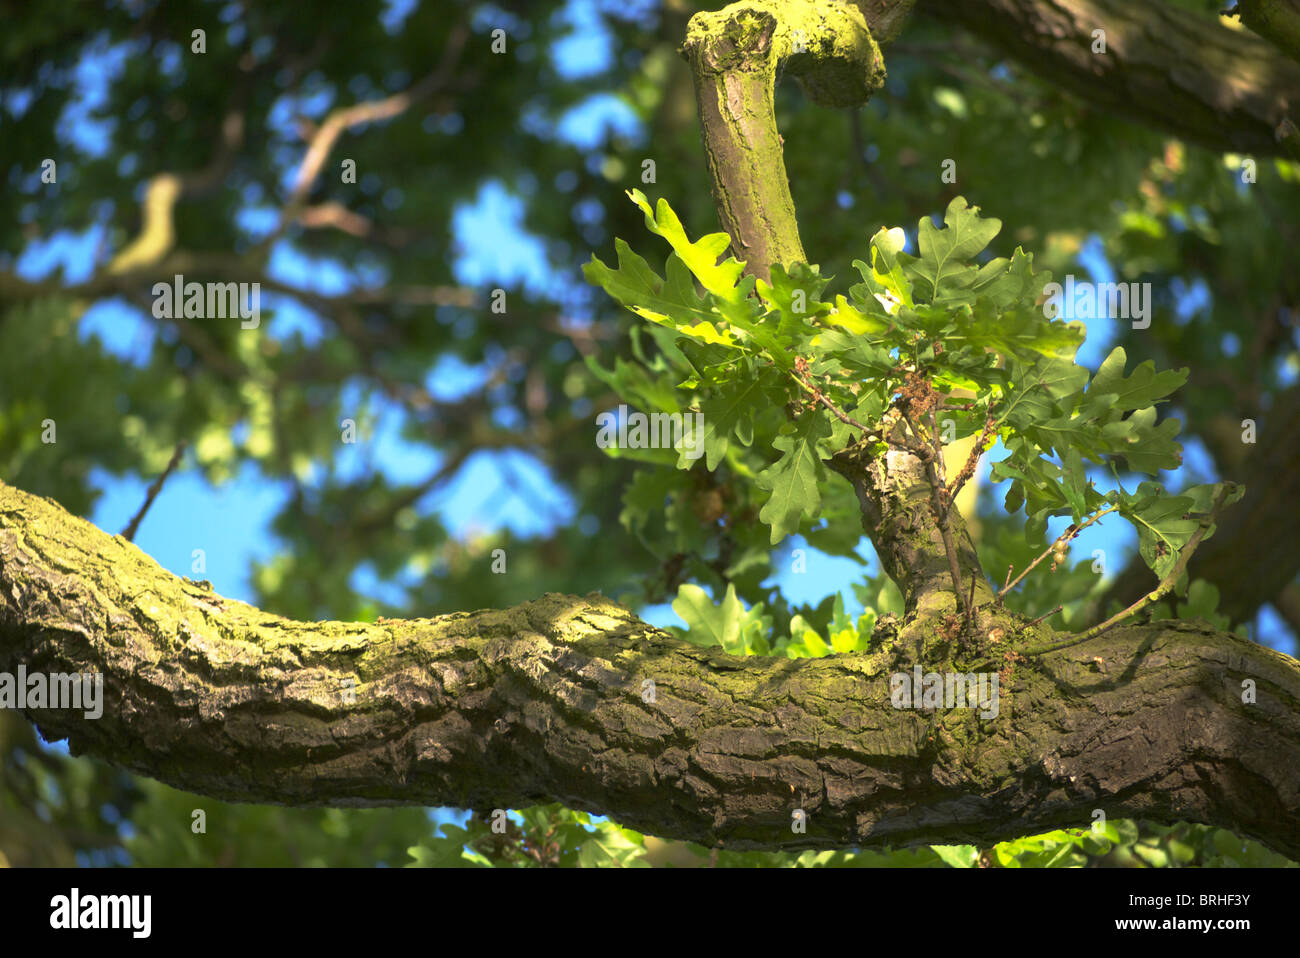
(1277, 21)
(735, 54)
(1164, 66)
(344, 118)
(548, 701)
(129, 532)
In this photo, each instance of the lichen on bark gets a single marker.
(735, 55)
(547, 702)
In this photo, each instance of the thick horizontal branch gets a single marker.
(1171, 68)
(1277, 21)
(551, 701)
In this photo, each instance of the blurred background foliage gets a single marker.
(377, 301)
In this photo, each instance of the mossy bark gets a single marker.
(1277, 21)
(548, 702)
(735, 54)
(1166, 67)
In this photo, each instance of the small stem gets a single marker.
(972, 460)
(1046, 615)
(129, 532)
(1065, 536)
(1156, 594)
(818, 395)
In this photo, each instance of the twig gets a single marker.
(345, 117)
(1065, 536)
(129, 532)
(820, 397)
(972, 460)
(1155, 595)
(937, 491)
(1046, 615)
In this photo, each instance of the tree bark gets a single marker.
(735, 54)
(1164, 66)
(548, 701)
(1277, 21)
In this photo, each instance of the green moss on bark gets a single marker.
(547, 702)
(735, 55)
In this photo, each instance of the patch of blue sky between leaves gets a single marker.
(1189, 298)
(323, 276)
(1112, 534)
(380, 446)
(257, 222)
(365, 581)
(100, 65)
(492, 246)
(451, 378)
(810, 586)
(229, 522)
(394, 14)
(121, 329)
(588, 48)
(1287, 369)
(823, 575)
(18, 101)
(597, 119)
(1101, 329)
(71, 252)
(291, 322)
(489, 16)
(509, 489)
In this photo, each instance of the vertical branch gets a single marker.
(735, 73)
(735, 54)
(929, 456)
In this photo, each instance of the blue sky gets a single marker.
(232, 521)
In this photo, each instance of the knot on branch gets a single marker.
(825, 44)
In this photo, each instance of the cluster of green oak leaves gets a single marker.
(746, 354)
(743, 354)
(812, 375)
